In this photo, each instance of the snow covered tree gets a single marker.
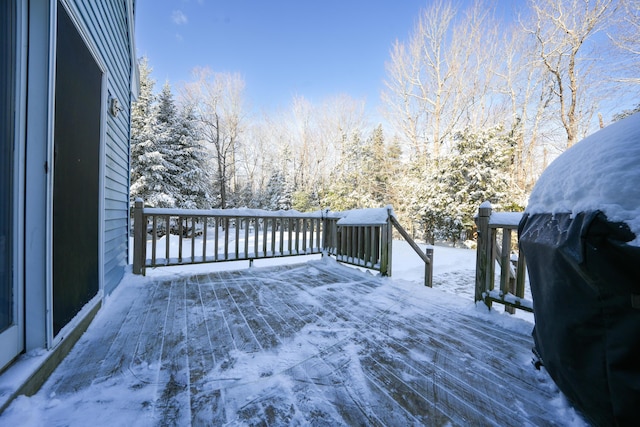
(478, 169)
(278, 194)
(344, 191)
(148, 165)
(166, 187)
(302, 200)
(376, 168)
(168, 162)
(394, 174)
(193, 180)
(364, 174)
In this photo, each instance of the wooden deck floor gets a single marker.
(310, 344)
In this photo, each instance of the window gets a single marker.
(8, 68)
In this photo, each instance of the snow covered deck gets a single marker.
(312, 344)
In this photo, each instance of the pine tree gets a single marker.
(395, 174)
(477, 169)
(279, 193)
(193, 180)
(375, 169)
(344, 191)
(148, 166)
(167, 186)
(274, 190)
(168, 162)
(362, 177)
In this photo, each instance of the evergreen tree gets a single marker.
(395, 171)
(193, 180)
(278, 193)
(167, 161)
(478, 169)
(167, 186)
(148, 166)
(376, 169)
(361, 179)
(344, 191)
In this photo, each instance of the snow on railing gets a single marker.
(513, 269)
(164, 237)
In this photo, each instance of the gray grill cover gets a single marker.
(585, 281)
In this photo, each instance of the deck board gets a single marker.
(316, 343)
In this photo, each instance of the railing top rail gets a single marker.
(365, 217)
(508, 220)
(410, 241)
(356, 217)
(234, 213)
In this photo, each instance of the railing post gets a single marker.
(327, 232)
(428, 269)
(507, 281)
(384, 250)
(483, 251)
(386, 246)
(138, 236)
(521, 272)
(390, 237)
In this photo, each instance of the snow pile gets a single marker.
(371, 216)
(505, 218)
(602, 172)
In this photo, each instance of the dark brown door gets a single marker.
(78, 91)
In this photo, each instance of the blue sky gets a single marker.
(282, 48)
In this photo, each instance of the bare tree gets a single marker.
(340, 116)
(218, 103)
(562, 30)
(311, 136)
(526, 90)
(257, 158)
(420, 79)
(304, 136)
(625, 36)
(441, 79)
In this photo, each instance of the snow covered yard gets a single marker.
(303, 344)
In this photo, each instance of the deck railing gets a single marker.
(512, 264)
(426, 256)
(216, 235)
(166, 237)
(364, 237)
(364, 244)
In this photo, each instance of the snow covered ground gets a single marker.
(454, 273)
